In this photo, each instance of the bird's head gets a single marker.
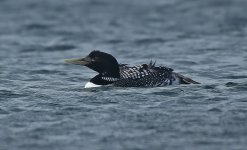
(100, 62)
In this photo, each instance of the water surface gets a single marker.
(43, 103)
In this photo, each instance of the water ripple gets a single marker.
(53, 48)
(10, 94)
(43, 103)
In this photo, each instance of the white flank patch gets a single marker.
(91, 85)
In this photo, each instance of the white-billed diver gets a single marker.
(122, 75)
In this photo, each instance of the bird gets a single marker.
(110, 72)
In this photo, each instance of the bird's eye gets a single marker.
(92, 55)
(93, 58)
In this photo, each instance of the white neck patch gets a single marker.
(91, 85)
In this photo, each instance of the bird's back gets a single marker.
(145, 76)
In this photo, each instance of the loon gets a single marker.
(122, 75)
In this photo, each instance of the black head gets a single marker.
(105, 64)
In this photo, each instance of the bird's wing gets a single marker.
(144, 70)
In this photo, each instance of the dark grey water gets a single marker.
(43, 104)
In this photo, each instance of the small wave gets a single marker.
(114, 41)
(209, 86)
(242, 87)
(3, 112)
(62, 47)
(217, 110)
(236, 86)
(44, 71)
(97, 3)
(236, 77)
(149, 40)
(170, 93)
(58, 47)
(186, 62)
(36, 26)
(231, 84)
(216, 99)
(213, 49)
(9, 94)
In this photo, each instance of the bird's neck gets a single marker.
(105, 78)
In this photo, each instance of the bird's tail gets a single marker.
(185, 80)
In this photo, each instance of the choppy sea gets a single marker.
(43, 103)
